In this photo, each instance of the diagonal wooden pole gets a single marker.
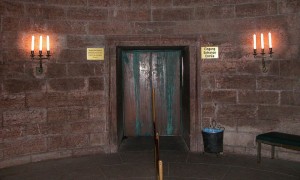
(153, 112)
(154, 131)
(157, 162)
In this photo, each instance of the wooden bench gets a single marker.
(277, 139)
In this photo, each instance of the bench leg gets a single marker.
(258, 152)
(273, 152)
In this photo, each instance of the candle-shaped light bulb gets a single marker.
(270, 40)
(41, 43)
(32, 43)
(254, 41)
(48, 44)
(262, 41)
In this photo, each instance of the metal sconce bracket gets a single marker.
(263, 57)
(40, 57)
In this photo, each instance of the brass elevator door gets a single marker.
(142, 70)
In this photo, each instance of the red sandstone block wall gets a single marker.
(64, 111)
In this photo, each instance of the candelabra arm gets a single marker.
(262, 52)
(32, 55)
(264, 68)
(40, 57)
(270, 52)
(263, 57)
(254, 53)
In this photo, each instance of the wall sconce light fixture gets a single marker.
(40, 56)
(262, 53)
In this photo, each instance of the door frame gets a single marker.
(190, 45)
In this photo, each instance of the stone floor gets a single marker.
(136, 162)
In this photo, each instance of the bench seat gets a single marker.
(277, 139)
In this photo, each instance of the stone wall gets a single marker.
(64, 111)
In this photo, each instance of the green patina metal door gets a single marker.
(142, 70)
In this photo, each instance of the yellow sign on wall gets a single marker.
(95, 54)
(210, 52)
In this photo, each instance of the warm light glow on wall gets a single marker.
(40, 55)
(262, 44)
